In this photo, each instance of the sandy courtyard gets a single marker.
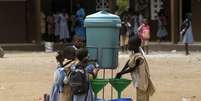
(27, 76)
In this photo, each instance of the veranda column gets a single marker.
(196, 23)
(37, 19)
(174, 18)
(33, 21)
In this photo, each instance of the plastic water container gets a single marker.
(122, 99)
(49, 46)
(102, 33)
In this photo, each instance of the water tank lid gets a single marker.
(102, 18)
(102, 15)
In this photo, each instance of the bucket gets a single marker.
(49, 46)
(122, 99)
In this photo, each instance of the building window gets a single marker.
(156, 6)
(102, 4)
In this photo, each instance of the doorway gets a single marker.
(186, 8)
(60, 5)
(13, 23)
(52, 6)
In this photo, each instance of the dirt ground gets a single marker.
(27, 76)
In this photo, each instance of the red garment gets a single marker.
(144, 32)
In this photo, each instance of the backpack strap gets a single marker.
(68, 70)
(67, 63)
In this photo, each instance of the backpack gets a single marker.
(78, 81)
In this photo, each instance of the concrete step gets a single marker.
(30, 47)
(153, 46)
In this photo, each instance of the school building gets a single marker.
(21, 19)
(175, 11)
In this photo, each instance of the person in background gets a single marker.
(50, 27)
(124, 33)
(144, 33)
(57, 26)
(43, 24)
(140, 18)
(162, 23)
(139, 69)
(77, 42)
(1, 52)
(79, 23)
(72, 26)
(64, 34)
(135, 24)
(186, 32)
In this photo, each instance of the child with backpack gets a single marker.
(138, 67)
(60, 90)
(70, 59)
(79, 78)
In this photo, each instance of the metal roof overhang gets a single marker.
(13, 0)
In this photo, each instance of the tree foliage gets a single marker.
(122, 5)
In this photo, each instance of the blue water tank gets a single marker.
(102, 33)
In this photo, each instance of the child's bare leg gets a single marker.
(186, 48)
(122, 43)
(146, 48)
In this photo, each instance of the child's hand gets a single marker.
(96, 70)
(118, 76)
(66, 80)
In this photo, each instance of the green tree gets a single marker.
(122, 5)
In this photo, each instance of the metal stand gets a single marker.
(112, 72)
(104, 87)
